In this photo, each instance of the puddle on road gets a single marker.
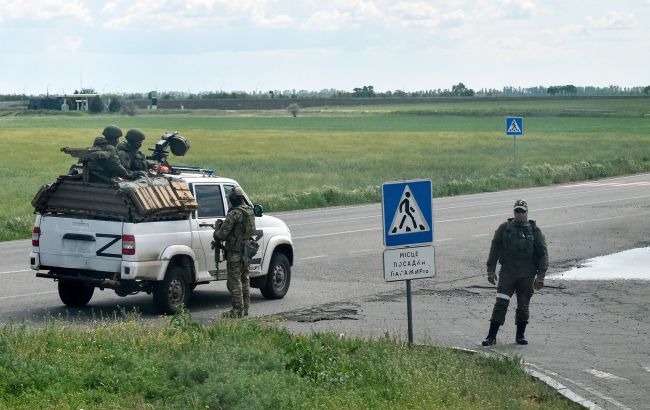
(630, 264)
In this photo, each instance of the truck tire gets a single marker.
(173, 292)
(75, 294)
(278, 278)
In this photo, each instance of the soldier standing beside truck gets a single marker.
(237, 231)
(129, 152)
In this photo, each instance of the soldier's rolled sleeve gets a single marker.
(495, 249)
(542, 251)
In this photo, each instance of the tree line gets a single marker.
(114, 102)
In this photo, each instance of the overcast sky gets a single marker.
(260, 45)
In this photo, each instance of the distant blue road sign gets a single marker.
(514, 126)
(407, 212)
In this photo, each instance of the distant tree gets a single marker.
(570, 89)
(128, 108)
(364, 92)
(294, 109)
(460, 90)
(115, 105)
(96, 105)
(552, 90)
(646, 90)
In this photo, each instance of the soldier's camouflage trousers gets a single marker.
(506, 287)
(238, 284)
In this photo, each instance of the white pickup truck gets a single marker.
(167, 258)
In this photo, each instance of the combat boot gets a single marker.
(232, 314)
(491, 338)
(521, 329)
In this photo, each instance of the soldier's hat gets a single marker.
(521, 204)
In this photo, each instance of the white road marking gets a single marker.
(612, 184)
(313, 257)
(647, 368)
(586, 388)
(479, 235)
(485, 216)
(362, 251)
(334, 220)
(15, 271)
(27, 294)
(604, 375)
(336, 233)
(597, 220)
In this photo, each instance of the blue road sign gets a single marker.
(514, 126)
(407, 212)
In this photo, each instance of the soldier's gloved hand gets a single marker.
(492, 278)
(139, 174)
(539, 282)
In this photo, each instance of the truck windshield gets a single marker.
(210, 201)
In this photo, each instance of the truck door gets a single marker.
(211, 209)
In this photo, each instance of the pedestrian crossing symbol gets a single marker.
(514, 126)
(407, 212)
(408, 217)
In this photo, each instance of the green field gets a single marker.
(341, 155)
(178, 364)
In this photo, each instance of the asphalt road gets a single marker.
(593, 337)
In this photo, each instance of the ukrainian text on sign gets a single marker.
(409, 263)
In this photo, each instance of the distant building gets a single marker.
(61, 102)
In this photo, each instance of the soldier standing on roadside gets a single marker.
(520, 247)
(104, 168)
(238, 227)
(129, 152)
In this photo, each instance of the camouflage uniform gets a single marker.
(520, 248)
(238, 226)
(103, 169)
(129, 152)
(131, 158)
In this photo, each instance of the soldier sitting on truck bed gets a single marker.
(129, 152)
(104, 169)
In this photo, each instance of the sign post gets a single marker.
(514, 128)
(407, 217)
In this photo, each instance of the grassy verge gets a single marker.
(132, 364)
(295, 163)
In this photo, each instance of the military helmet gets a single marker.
(112, 132)
(236, 196)
(135, 135)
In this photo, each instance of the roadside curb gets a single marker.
(537, 374)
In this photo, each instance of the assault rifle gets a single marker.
(220, 254)
(84, 155)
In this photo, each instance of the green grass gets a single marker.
(175, 363)
(289, 163)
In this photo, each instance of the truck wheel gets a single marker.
(278, 278)
(75, 294)
(173, 292)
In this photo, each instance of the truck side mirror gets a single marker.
(258, 210)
